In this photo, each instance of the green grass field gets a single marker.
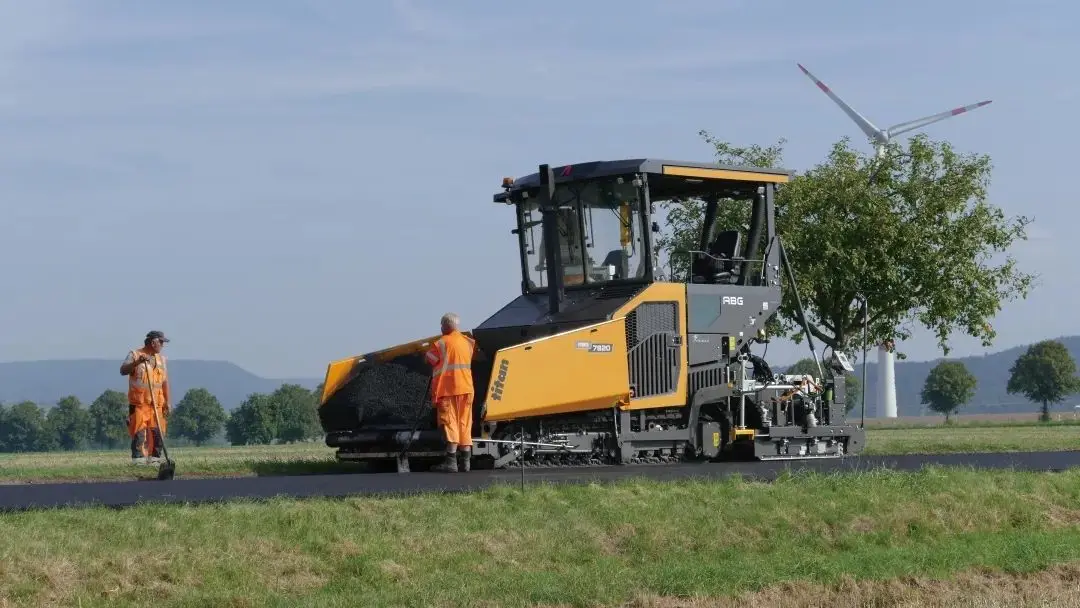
(952, 536)
(938, 537)
(317, 458)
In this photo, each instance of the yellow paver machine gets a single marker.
(602, 361)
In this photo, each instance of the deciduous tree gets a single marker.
(255, 421)
(1045, 373)
(948, 386)
(23, 429)
(69, 423)
(108, 419)
(199, 416)
(299, 417)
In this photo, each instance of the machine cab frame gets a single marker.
(601, 214)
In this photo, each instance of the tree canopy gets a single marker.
(108, 416)
(23, 429)
(299, 414)
(948, 386)
(69, 422)
(199, 416)
(912, 232)
(288, 414)
(1045, 373)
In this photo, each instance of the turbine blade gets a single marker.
(911, 125)
(867, 127)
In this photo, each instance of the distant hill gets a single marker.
(45, 382)
(991, 371)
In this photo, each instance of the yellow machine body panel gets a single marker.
(726, 174)
(578, 370)
(341, 371)
(664, 292)
(337, 374)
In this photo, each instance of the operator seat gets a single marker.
(725, 246)
(620, 260)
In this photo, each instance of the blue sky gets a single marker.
(241, 174)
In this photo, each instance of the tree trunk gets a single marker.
(1045, 415)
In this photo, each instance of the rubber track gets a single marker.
(17, 497)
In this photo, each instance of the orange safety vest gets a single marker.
(139, 386)
(451, 357)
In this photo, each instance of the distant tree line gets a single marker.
(1044, 374)
(287, 415)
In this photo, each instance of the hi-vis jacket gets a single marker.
(139, 385)
(451, 357)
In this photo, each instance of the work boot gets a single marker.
(448, 465)
(464, 460)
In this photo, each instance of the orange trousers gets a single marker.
(144, 432)
(455, 418)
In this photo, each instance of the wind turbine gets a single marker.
(881, 137)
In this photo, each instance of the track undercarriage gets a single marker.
(667, 436)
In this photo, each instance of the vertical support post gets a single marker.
(552, 241)
(522, 247)
(742, 390)
(750, 252)
(770, 255)
(865, 354)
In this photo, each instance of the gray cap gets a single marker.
(159, 335)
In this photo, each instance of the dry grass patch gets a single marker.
(1057, 586)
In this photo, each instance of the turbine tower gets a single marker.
(886, 388)
(881, 137)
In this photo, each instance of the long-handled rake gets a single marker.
(168, 469)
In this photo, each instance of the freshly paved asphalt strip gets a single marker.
(17, 497)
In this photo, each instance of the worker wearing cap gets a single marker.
(452, 392)
(148, 385)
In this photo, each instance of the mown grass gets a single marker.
(307, 458)
(215, 461)
(973, 437)
(972, 421)
(645, 541)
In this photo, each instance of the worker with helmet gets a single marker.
(148, 388)
(452, 392)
